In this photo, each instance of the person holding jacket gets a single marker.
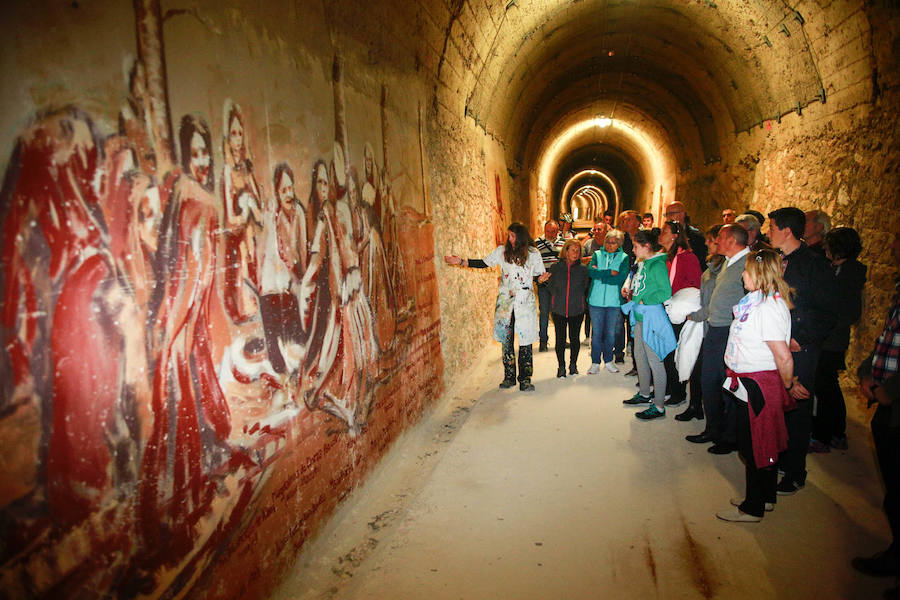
(714, 263)
(761, 381)
(684, 272)
(608, 270)
(653, 335)
(568, 287)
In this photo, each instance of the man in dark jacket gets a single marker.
(675, 212)
(813, 317)
(842, 246)
(879, 383)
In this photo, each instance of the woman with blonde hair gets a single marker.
(761, 378)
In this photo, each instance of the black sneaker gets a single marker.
(631, 373)
(675, 400)
(573, 370)
(561, 372)
(637, 399)
(651, 413)
(543, 347)
(507, 383)
(787, 487)
(526, 386)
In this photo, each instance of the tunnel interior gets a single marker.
(594, 179)
(648, 92)
(193, 191)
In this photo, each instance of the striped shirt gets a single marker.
(549, 250)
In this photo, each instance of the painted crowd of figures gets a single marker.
(165, 325)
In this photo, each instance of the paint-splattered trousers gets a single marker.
(526, 362)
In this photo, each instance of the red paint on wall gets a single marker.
(167, 441)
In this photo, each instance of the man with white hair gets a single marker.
(818, 223)
(756, 240)
(595, 242)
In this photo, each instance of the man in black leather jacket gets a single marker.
(812, 319)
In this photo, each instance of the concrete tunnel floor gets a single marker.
(563, 493)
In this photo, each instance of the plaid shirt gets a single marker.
(887, 346)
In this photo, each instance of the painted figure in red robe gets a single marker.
(243, 219)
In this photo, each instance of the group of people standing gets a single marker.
(753, 330)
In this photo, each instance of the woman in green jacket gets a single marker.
(650, 287)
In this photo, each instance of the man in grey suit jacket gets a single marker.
(720, 416)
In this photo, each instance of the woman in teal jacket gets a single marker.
(653, 335)
(608, 270)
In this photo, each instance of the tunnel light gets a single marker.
(653, 153)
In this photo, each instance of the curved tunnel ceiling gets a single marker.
(684, 75)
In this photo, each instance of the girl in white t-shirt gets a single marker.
(761, 379)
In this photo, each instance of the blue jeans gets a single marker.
(605, 322)
(543, 293)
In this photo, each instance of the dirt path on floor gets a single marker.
(562, 493)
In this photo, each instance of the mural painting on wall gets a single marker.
(170, 329)
(499, 220)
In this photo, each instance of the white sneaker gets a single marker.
(595, 368)
(611, 368)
